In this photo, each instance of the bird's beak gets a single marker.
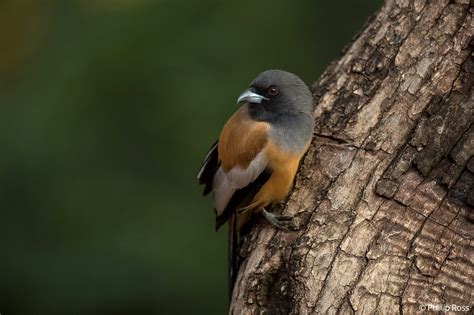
(250, 96)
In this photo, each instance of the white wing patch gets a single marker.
(225, 184)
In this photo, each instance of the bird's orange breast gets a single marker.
(284, 165)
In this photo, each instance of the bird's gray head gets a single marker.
(278, 92)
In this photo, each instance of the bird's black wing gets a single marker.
(242, 196)
(209, 167)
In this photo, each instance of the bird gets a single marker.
(253, 163)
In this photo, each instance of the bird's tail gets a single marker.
(232, 255)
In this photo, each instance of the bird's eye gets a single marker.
(272, 91)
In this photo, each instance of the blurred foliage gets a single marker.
(107, 108)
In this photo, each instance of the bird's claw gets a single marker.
(283, 222)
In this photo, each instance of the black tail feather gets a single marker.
(232, 248)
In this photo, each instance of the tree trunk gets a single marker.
(385, 225)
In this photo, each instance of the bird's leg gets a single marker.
(278, 220)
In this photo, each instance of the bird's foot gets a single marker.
(280, 221)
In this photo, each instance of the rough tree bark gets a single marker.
(385, 226)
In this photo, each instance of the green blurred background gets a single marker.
(106, 110)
